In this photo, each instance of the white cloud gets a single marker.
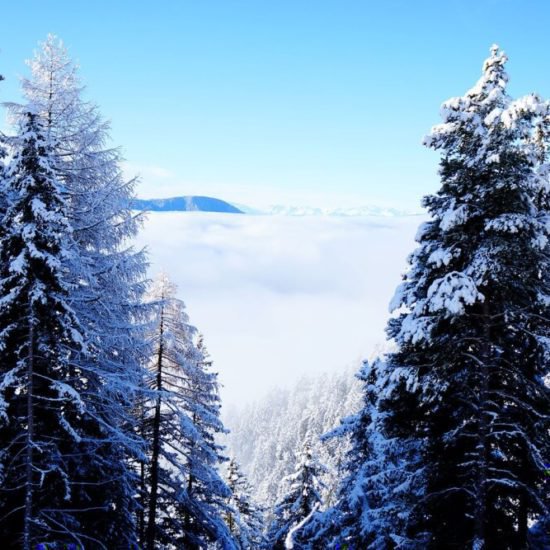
(278, 297)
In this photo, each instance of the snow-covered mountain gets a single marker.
(357, 211)
(188, 203)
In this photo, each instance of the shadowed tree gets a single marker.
(42, 416)
(473, 331)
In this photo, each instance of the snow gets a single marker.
(452, 292)
(493, 117)
(41, 212)
(398, 298)
(10, 378)
(19, 264)
(508, 223)
(415, 329)
(289, 540)
(64, 390)
(453, 217)
(440, 257)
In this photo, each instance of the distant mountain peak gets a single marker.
(187, 203)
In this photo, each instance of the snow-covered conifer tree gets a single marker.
(106, 274)
(245, 520)
(377, 479)
(42, 416)
(181, 487)
(3, 155)
(206, 490)
(301, 501)
(468, 379)
(164, 422)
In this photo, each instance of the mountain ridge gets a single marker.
(198, 203)
(186, 203)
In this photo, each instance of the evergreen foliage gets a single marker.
(449, 450)
(301, 501)
(267, 435)
(110, 410)
(182, 495)
(43, 419)
(372, 496)
(106, 278)
(245, 519)
(473, 340)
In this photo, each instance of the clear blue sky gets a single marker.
(282, 100)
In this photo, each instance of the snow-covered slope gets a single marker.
(267, 436)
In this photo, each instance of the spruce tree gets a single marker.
(42, 415)
(467, 381)
(371, 501)
(3, 154)
(298, 506)
(244, 519)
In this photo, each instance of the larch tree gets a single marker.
(164, 424)
(207, 492)
(467, 381)
(181, 487)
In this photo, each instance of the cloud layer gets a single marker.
(279, 297)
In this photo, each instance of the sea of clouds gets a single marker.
(278, 297)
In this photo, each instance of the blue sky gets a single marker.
(319, 102)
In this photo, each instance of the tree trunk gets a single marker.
(480, 535)
(153, 497)
(141, 512)
(522, 522)
(190, 480)
(27, 523)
